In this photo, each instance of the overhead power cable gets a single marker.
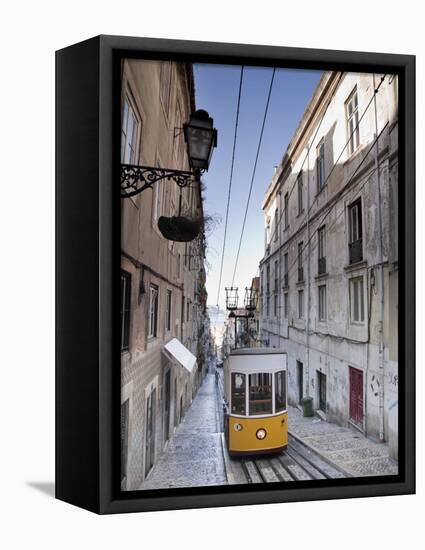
(254, 171)
(305, 158)
(346, 189)
(277, 225)
(230, 184)
(336, 162)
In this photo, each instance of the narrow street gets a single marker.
(297, 463)
(194, 456)
(197, 455)
(316, 450)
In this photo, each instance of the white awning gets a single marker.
(177, 351)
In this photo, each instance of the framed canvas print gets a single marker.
(235, 274)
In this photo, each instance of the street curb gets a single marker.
(228, 467)
(323, 457)
(226, 459)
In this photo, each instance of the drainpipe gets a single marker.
(381, 282)
(308, 273)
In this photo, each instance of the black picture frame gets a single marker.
(87, 241)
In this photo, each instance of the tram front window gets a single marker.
(238, 393)
(280, 390)
(260, 393)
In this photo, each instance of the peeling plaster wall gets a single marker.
(150, 258)
(337, 343)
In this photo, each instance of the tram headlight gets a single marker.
(238, 427)
(261, 433)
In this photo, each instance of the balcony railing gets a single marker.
(300, 274)
(322, 266)
(355, 250)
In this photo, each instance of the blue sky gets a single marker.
(216, 89)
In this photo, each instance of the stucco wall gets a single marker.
(337, 343)
(151, 259)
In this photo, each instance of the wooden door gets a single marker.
(150, 431)
(167, 399)
(322, 390)
(356, 396)
(300, 376)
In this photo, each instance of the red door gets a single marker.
(356, 396)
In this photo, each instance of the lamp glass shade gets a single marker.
(201, 138)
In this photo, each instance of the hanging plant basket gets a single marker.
(179, 228)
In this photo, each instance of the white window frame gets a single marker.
(286, 210)
(276, 223)
(322, 297)
(352, 122)
(300, 254)
(168, 309)
(300, 191)
(132, 146)
(358, 307)
(320, 170)
(355, 220)
(301, 304)
(165, 79)
(153, 310)
(321, 233)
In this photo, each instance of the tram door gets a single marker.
(150, 431)
(167, 398)
(356, 396)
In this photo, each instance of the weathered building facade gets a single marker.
(329, 275)
(162, 282)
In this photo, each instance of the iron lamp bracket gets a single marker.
(135, 179)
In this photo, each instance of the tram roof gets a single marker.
(257, 351)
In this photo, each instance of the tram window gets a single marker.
(238, 393)
(260, 393)
(280, 391)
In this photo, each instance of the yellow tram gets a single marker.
(256, 416)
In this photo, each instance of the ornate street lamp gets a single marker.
(231, 298)
(200, 137)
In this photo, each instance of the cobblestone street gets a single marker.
(194, 456)
(349, 450)
(197, 455)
